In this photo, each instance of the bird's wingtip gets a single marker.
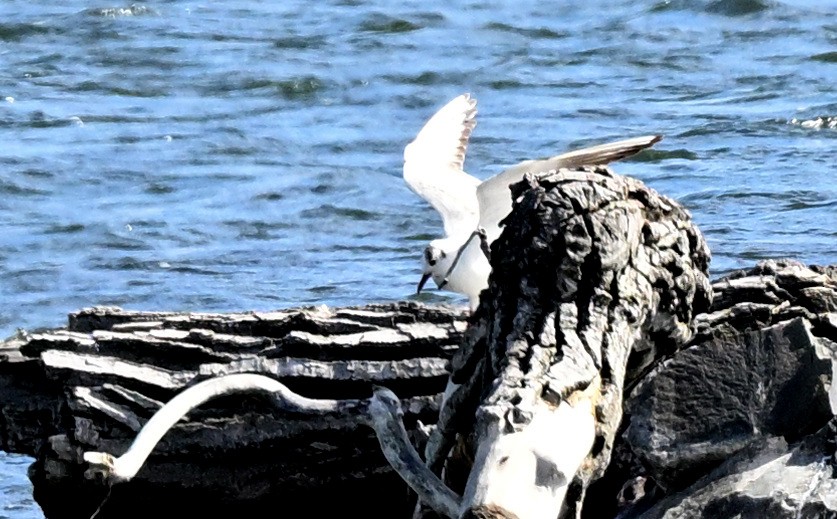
(467, 99)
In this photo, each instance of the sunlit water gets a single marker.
(247, 155)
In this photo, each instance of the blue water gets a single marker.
(247, 155)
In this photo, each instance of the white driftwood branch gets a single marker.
(382, 412)
(385, 417)
(125, 467)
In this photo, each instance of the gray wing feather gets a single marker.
(494, 196)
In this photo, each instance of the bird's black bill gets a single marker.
(424, 278)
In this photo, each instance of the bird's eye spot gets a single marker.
(432, 263)
(444, 254)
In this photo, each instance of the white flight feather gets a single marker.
(433, 164)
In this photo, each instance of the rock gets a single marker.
(760, 367)
(765, 479)
(719, 395)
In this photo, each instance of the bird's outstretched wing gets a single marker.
(494, 197)
(433, 165)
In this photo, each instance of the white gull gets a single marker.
(433, 168)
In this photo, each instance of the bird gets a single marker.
(472, 208)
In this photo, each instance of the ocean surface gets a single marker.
(246, 155)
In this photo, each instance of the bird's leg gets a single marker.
(484, 245)
(458, 255)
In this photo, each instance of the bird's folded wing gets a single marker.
(433, 165)
(494, 197)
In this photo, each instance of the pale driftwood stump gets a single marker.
(92, 386)
(594, 277)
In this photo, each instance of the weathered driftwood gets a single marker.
(92, 386)
(591, 270)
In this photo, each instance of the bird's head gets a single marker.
(435, 263)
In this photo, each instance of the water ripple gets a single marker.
(732, 8)
(315, 41)
(14, 32)
(10, 187)
(119, 12)
(815, 123)
(659, 155)
(329, 210)
(535, 33)
(826, 57)
(381, 23)
(291, 89)
(737, 7)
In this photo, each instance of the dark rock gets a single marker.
(716, 397)
(767, 478)
(760, 369)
